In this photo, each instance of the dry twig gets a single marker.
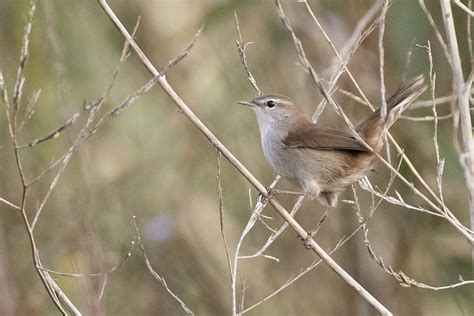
(462, 90)
(153, 272)
(220, 199)
(242, 46)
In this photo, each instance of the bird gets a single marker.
(323, 161)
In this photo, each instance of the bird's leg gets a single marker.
(316, 229)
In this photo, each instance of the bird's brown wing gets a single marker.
(322, 138)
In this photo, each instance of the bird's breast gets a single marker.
(274, 152)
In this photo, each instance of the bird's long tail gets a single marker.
(372, 128)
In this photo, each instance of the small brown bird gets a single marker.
(323, 161)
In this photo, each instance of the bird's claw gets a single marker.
(270, 193)
(307, 240)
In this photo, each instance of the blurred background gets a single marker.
(152, 163)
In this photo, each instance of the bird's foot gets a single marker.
(307, 240)
(271, 192)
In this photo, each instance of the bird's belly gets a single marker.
(314, 171)
(292, 165)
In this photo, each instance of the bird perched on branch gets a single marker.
(323, 161)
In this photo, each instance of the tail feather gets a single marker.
(401, 99)
(372, 128)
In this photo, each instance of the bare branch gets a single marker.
(96, 274)
(344, 57)
(124, 105)
(242, 46)
(436, 30)
(153, 271)
(60, 295)
(55, 293)
(261, 203)
(383, 104)
(428, 118)
(361, 27)
(276, 233)
(183, 53)
(243, 289)
(126, 46)
(298, 276)
(383, 107)
(463, 90)
(464, 7)
(220, 200)
(398, 200)
(469, 36)
(54, 134)
(10, 204)
(401, 277)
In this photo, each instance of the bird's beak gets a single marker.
(247, 103)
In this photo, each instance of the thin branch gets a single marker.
(53, 164)
(276, 233)
(403, 278)
(94, 106)
(462, 92)
(183, 53)
(343, 61)
(469, 36)
(87, 130)
(220, 200)
(383, 107)
(464, 7)
(10, 204)
(414, 105)
(436, 30)
(428, 118)
(439, 161)
(398, 200)
(243, 290)
(448, 58)
(54, 134)
(153, 271)
(68, 304)
(55, 293)
(96, 274)
(261, 203)
(400, 276)
(124, 105)
(298, 276)
(242, 46)
(360, 28)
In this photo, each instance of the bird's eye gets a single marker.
(271, 103)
